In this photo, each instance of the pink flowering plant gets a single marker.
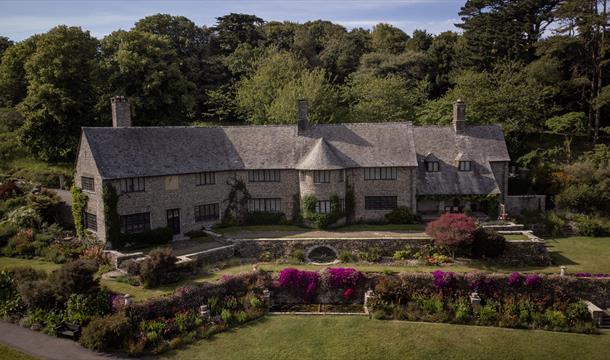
(300, 282)
(452, 231)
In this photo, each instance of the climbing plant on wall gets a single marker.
(79, 204)
(111, 215)
(237, 202)
(322, 221)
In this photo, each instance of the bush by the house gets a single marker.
(487, 244)
(107, 333)
(372, 254)
(159, 268)
(264, 218)
(451, 231)
(158, 236)
(402, 215)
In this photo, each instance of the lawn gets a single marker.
(515, 237)
(581, 254)
(7, 263)
(347, 337)
(8, 353)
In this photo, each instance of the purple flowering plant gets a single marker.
(345, 277)
(304, 283)
(532, 280)
(443, 279)
(515, 279)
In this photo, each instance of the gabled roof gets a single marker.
(158, 151)
(322, 157)
(481, 144)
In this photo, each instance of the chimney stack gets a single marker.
(459, 116)
(121, 112)
(302, 122)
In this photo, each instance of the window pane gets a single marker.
(87, 183)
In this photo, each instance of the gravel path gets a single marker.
(44, 346)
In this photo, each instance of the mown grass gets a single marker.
(7, 263)
(8, 353)
(334, 337)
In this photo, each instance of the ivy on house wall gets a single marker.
(322, 221)
(111, 215)
(237, 202)
(79, 204)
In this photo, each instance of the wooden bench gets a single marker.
(68, 330)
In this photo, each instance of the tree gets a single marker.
(586, 184)
(13, 83)
(269, 94)
(452, 231)
(387, 38)
(589, 20)
(504, 29)
(61, 92)
(234, 29)
(145, 68)
(192, 46)
(376, 99)
(568, 125)
(444, 59)
(420, 41)
(5, 43)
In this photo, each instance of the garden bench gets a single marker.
(68, 330)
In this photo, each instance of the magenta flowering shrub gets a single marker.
(515, 279)
(483, 284)
(588, 274)
(443, 279)
(303, 283)
(532, 280)
(345, 277)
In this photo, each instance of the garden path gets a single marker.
(44, 346)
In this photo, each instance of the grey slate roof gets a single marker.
(480, 144)
(322, 157)
(157, 151)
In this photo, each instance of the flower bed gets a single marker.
(515, 300)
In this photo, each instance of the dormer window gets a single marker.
(465, 165)
(432, 166)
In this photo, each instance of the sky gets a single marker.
(20, 19)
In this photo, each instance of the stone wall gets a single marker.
(213, 255)
(517, 203)
(251, 248)
(517, 252)
(85, 166)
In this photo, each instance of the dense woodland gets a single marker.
(537, 67)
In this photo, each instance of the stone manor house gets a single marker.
(178, 176)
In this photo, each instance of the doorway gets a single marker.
(173, 220)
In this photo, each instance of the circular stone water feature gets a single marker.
(322, 254)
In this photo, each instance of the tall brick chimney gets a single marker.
(121, 111)
(302, 122)
(459, 116)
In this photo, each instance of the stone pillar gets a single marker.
(121, 112)
(368, 296)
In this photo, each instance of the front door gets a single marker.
(173, 220)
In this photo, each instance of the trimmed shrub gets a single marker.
(371, 255)
(107, 333)
(487, 244)
(75, 277)
(346, 256)
(159, 268)
(265, 256)
(401, 215)
(298, 255)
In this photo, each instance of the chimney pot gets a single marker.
(302, 117)
(121, 111)
(459, 116)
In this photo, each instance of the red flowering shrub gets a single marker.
(451, 231)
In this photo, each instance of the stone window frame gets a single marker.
(381, 173)
(269, 175)
(206, 178)
(465, 165)
(135, 223)
(432, 166)
(90, 221)
(132, 185)
(321, 176)
(380, 202)
(207, 212)
(269, 205)
(87, 183)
